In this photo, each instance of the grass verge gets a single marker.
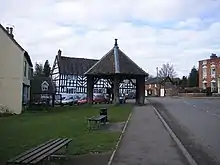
(22, 132)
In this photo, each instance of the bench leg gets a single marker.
(88, 124)
(99, 124)
(44, 162)
(58, 159)
(67, 151)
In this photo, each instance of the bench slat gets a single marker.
(50, 152)
(30, 154)
(97, 117)
(102, 116)
(43, 152)
(29, 151)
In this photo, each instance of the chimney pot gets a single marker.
(10, 30)
(116, 44)
(213, 56)
(7, 29)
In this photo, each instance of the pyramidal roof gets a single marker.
(115, 62)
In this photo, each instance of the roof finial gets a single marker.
(116, 44)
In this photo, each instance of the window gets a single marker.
(25, 94)
(204, 85)
(30, 73)
(213, 72)
(25, 68)
(44, 88)
(213, 65)
(204, 62)
(213, 86)
(204, 72)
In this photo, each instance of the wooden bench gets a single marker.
(42, 152)
(96, 120)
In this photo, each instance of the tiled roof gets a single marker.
(153, 80)
(107, 65)
(75, 66)
(161, 80)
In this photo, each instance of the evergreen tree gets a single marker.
(38, 70)
(193, 79)
(46, 69)
(184, 82)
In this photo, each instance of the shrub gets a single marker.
(190, 90)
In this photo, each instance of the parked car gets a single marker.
(58, 99)
(108, 98)
(99, 98)
(130, 95)
(76, 99)
(82, 100)
(69, 100)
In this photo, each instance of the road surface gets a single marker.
(196, 123)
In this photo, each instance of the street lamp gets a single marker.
(157, 80)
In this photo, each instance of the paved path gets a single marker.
(146, 142)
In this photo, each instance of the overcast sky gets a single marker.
(151, 33)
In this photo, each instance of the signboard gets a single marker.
(162, 92)
(44, 86)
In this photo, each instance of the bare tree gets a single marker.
(167, 70)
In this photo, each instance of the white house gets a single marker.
(15, 72)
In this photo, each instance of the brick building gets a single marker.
(209, 73)
(151, 86)
(154, 85)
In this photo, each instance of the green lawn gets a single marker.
(22, 132)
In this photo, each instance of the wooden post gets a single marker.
(90, 89)
(137, 91)
(142, 90)
(59, 84)
(116, 89)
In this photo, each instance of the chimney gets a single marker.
(11, 32)
(213, 56)
(59, 54)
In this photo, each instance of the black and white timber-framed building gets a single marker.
(68, 76)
